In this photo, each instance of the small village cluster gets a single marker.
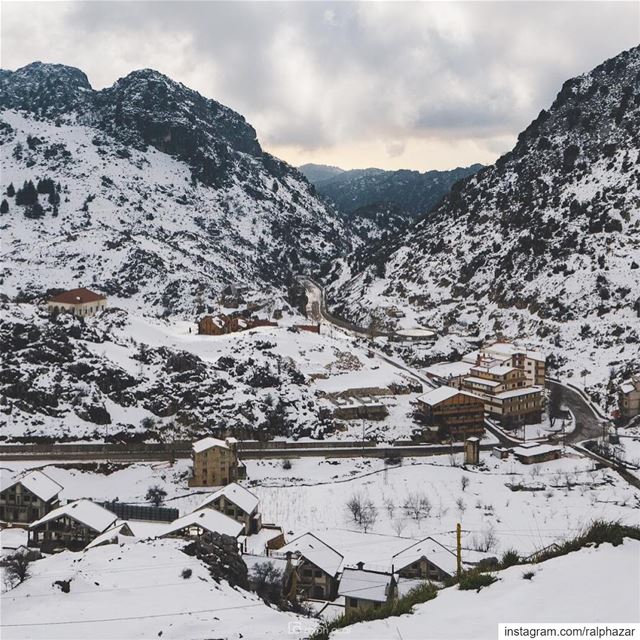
(501, 380)
(310, 568)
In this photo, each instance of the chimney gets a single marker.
(360, 565)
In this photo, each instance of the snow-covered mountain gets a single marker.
(147, 191)
(545, 244)
(412, 192)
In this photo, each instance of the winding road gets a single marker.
(588, 423)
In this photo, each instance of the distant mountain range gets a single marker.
(381, 201)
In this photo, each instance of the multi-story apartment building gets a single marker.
(629, 397)
(215, 462)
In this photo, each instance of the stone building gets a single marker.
(215, 462)
(629, 397)
(80, 302)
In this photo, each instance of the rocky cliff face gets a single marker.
(545, 243)
(161, 197)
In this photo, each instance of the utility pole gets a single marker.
(459, 548)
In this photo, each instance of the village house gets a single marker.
(629, 397)
(454, 413)
(215, 462)
(270, 538)
(222, 324)
(534, 452)
(202, 524)
(366, 589)
(532, 363)
(72, 526)
(427, 559)
(81, 302)
(119, 533)
(238, 503)
(29, 498)
(312, 568)
(354, 407)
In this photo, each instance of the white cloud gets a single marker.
(348, 79)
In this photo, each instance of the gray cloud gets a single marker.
(315, 75)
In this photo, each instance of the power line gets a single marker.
(157, 615)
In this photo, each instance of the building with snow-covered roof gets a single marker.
(453, 412)
(427, 559)
(215, 462)
(531, 363)
(312, 568)
(365, 589)
(533, 452)
(119, 533)
(509, 398)
(71, 526)
(28, 498)
(201, 524)
(629, 397)
(449, 373)
(238, 503)
(80, 302)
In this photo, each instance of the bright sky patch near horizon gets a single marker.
(415, 85)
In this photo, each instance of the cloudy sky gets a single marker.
(387, 84)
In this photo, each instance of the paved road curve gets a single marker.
(588, 423)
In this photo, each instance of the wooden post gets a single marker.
(459, 548)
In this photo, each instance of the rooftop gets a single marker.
(85, 512)
(514, 393)
(447, 369)
(367, 585)
(208, 443)
(208, 519)
(237, 494)
(39, 484)
(77, 296)
(315, 551)
(441, 394)
(430, 549)
(528, 449)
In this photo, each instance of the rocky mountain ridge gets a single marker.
(543, 244)
(164, 197)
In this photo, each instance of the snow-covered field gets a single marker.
(312, 496)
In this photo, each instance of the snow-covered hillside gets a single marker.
(137, 591)
(158, 197)
(588, 586)
(122, 376)
(545, 244)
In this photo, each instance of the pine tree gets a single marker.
(11, 190)
(28, 195)
(4, 206)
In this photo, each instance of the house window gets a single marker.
(307, 572)
(353, 602)
(318, 573)
(377, 605)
